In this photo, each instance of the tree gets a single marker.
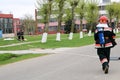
(92, 9)
(46, 8)
(81, 12)
(28, 24)
(113, 10)
(110, 11)
(68, 23)
(116, 14)
(67, 19)
(60, 15)
(73, 4)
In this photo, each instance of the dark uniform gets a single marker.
(20, 35)
(103, 51)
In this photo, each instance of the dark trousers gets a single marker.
(103, 53)
(20, 37)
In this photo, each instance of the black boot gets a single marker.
(105, 67)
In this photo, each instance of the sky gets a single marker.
(19, 8)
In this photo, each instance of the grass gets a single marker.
(8, 42)
(7, 58)
(51, 42)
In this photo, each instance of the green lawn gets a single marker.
(7, 58)
(51, 42)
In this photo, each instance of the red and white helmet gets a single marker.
(103, 19)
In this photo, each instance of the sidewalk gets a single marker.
(35, 51)
(42, 51)
(16, 44)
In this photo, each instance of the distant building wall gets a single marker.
(16, 24)
(6, 23)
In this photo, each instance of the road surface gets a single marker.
(80, 63)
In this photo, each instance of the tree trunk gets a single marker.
(58, 36)
(81, 27)
(90, 31)
(72, 26)
(81, 34)
(70, 36)
(59, 25)
(44, 37)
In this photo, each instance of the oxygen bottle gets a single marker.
(101, 35)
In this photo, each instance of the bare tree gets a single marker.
(28, 24)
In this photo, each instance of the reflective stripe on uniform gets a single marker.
(104, 60)
(108, 44)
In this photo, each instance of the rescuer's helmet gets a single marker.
(103, 19)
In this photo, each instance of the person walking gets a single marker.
(104, 41)
(20, 35)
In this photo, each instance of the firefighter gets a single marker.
(104, 41)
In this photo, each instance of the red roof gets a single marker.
(6, 15)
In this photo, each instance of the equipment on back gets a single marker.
(101, 36)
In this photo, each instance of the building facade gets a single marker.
(8, 24)
(16, 24)
(102, 5)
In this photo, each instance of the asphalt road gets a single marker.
(80, 63)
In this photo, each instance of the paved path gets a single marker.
(16, 44)
(80, 63)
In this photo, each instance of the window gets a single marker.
(5, 20)
(50, 28)
(62, 27)
(39, 29)
(53, 19)
(1, 20)
(101, 7)
(106, 1)
(10, 20)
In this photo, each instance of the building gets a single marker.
(6, 23)
(103, 3)
(16, 24)
(9, 25)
